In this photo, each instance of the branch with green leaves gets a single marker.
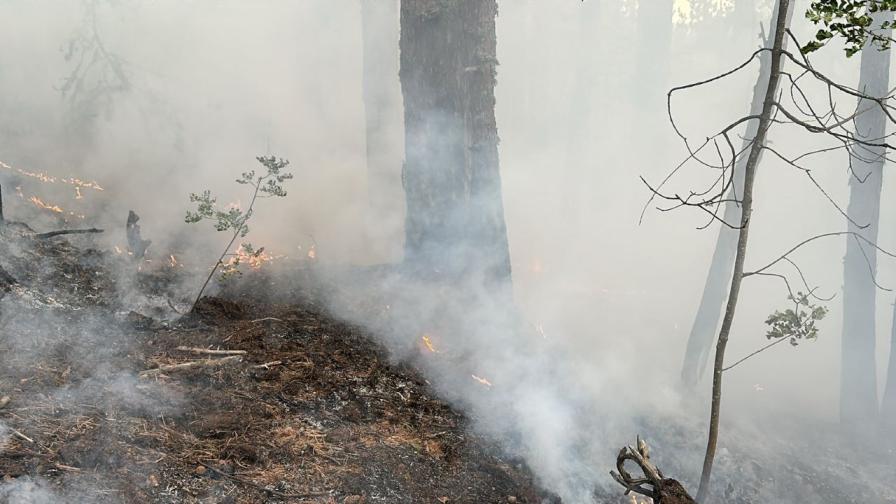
(268, 184)
(851, 20)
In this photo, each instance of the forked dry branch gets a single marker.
(652, 484)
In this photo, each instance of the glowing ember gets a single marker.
(312, 253)
(482, 381)
(427, 341)
(172, 261)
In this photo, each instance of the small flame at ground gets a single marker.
(39, 203)
(427, 341)
(639, 499)
(46, 206)
(255, 259)
(482, 381)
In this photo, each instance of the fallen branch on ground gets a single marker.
(190, 365)
(51, 234)
(209, 351)
(19, 434)
(268, 365)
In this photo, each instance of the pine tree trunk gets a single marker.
(455, 217)
(383, 122)
(858, 372)
(888, 408)
(706, 322)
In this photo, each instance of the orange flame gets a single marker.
(39, 203)
(242, 256)
(49, 179)
(427, 342)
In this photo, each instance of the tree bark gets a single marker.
(858, 369)
(455, 217)
(782, 18)
(888, 408)
(706, 321)
(383, 127)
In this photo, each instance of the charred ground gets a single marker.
(314, 411)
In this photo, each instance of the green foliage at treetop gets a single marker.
(850, 20)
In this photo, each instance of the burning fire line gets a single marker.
(255, 260)
(39, 203)
(50, 179)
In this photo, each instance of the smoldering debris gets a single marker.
(104, 408)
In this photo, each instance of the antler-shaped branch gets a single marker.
(652, 484)
(652, 475)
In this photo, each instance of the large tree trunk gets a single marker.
(858, 372)
(383, 122)
(888, 408)
(706, 322)
(455, 216)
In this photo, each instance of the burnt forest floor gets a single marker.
(313, 411)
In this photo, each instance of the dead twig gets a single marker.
(209, 351)
(191, 365)
(22, 436)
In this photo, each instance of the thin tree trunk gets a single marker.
(888, 408)
(858, 370)
(765, 120)
(383, 126)
(455, 217)
(706, 322)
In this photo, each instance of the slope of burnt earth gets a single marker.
(237, 402)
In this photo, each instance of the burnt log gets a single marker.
(136, 244)
(652, 483)
(61, 232)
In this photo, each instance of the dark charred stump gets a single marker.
(136, 244)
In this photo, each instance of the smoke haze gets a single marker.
(606, 302)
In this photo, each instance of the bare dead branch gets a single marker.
(51, 234)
